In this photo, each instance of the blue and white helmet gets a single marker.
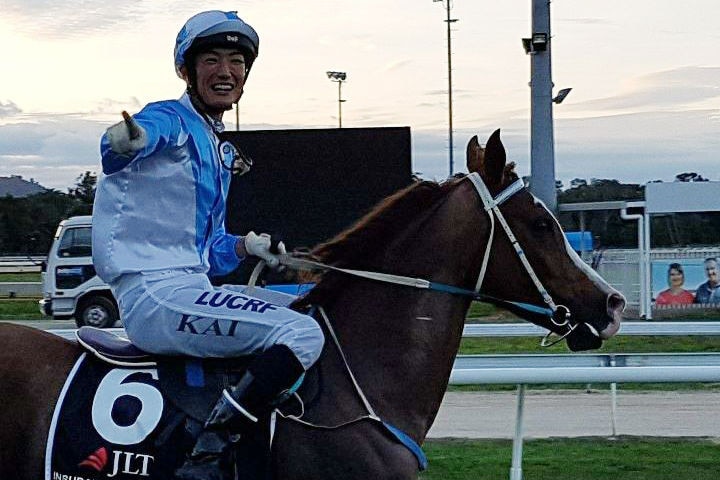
(215, 28)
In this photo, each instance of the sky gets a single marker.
(645, 75)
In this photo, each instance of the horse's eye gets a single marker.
(543, 225)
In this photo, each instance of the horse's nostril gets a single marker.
(615, 304)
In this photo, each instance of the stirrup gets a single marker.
(227, 410)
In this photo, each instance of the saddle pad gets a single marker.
(107, 422)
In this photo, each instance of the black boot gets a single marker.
(209, 459)
(271, 374)
(238, 410)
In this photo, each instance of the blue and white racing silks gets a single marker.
(158, 233)
(164, 207)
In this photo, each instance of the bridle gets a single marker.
(559, 315)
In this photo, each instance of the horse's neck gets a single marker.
(400, 344)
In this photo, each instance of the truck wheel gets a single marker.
(97, 312)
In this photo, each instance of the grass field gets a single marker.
(624, 458)
(20, 277)
(618, 344)
(20, 309)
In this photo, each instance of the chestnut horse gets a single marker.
(481, 232)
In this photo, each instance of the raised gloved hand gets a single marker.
(262, 246)
(126, 137)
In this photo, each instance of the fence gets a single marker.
(583, 368)
(580, 368)
(21, 264)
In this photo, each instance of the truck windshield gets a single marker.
(76, 242)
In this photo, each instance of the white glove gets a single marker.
(259, 245)
(126, 137)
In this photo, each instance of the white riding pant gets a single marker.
(179, 312)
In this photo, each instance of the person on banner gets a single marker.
(676, 294)
(159, 234)
(709, 292)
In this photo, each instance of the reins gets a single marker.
(559, 315)
(309, 265)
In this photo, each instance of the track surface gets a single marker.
(579, 414)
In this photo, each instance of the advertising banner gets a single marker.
(685, 281)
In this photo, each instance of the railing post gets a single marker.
(517, 451)
(613, 400)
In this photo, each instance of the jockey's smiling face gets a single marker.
(220, 79)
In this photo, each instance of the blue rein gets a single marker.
(528, 307)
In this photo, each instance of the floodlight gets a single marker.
(337, 76)
(561, 95)
(537, 43)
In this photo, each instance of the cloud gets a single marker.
(639, 147)
(9, 109)
(585, 21)
(51, 150)
(397, 65)
(113, 107)
(631, 148)
(667, 89)
(70, 18)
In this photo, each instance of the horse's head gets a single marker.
(546, 270)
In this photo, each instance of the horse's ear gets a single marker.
(495, 159)
(475, 155)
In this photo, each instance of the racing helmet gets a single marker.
(215, 28)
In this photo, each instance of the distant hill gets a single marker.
(16, 186)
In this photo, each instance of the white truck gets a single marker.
(70, 286)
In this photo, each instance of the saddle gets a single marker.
(193, 385)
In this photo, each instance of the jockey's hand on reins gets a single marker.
(263, 246)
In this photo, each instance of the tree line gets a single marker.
(27, 225)
(611, 231)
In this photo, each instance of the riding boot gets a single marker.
(209, 459)
(273, 373)
(239, 409)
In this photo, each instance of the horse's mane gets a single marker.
(354, 247)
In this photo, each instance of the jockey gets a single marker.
(159, 234)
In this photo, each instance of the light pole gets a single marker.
(542, 144)
(449, 64)
(338, 77)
